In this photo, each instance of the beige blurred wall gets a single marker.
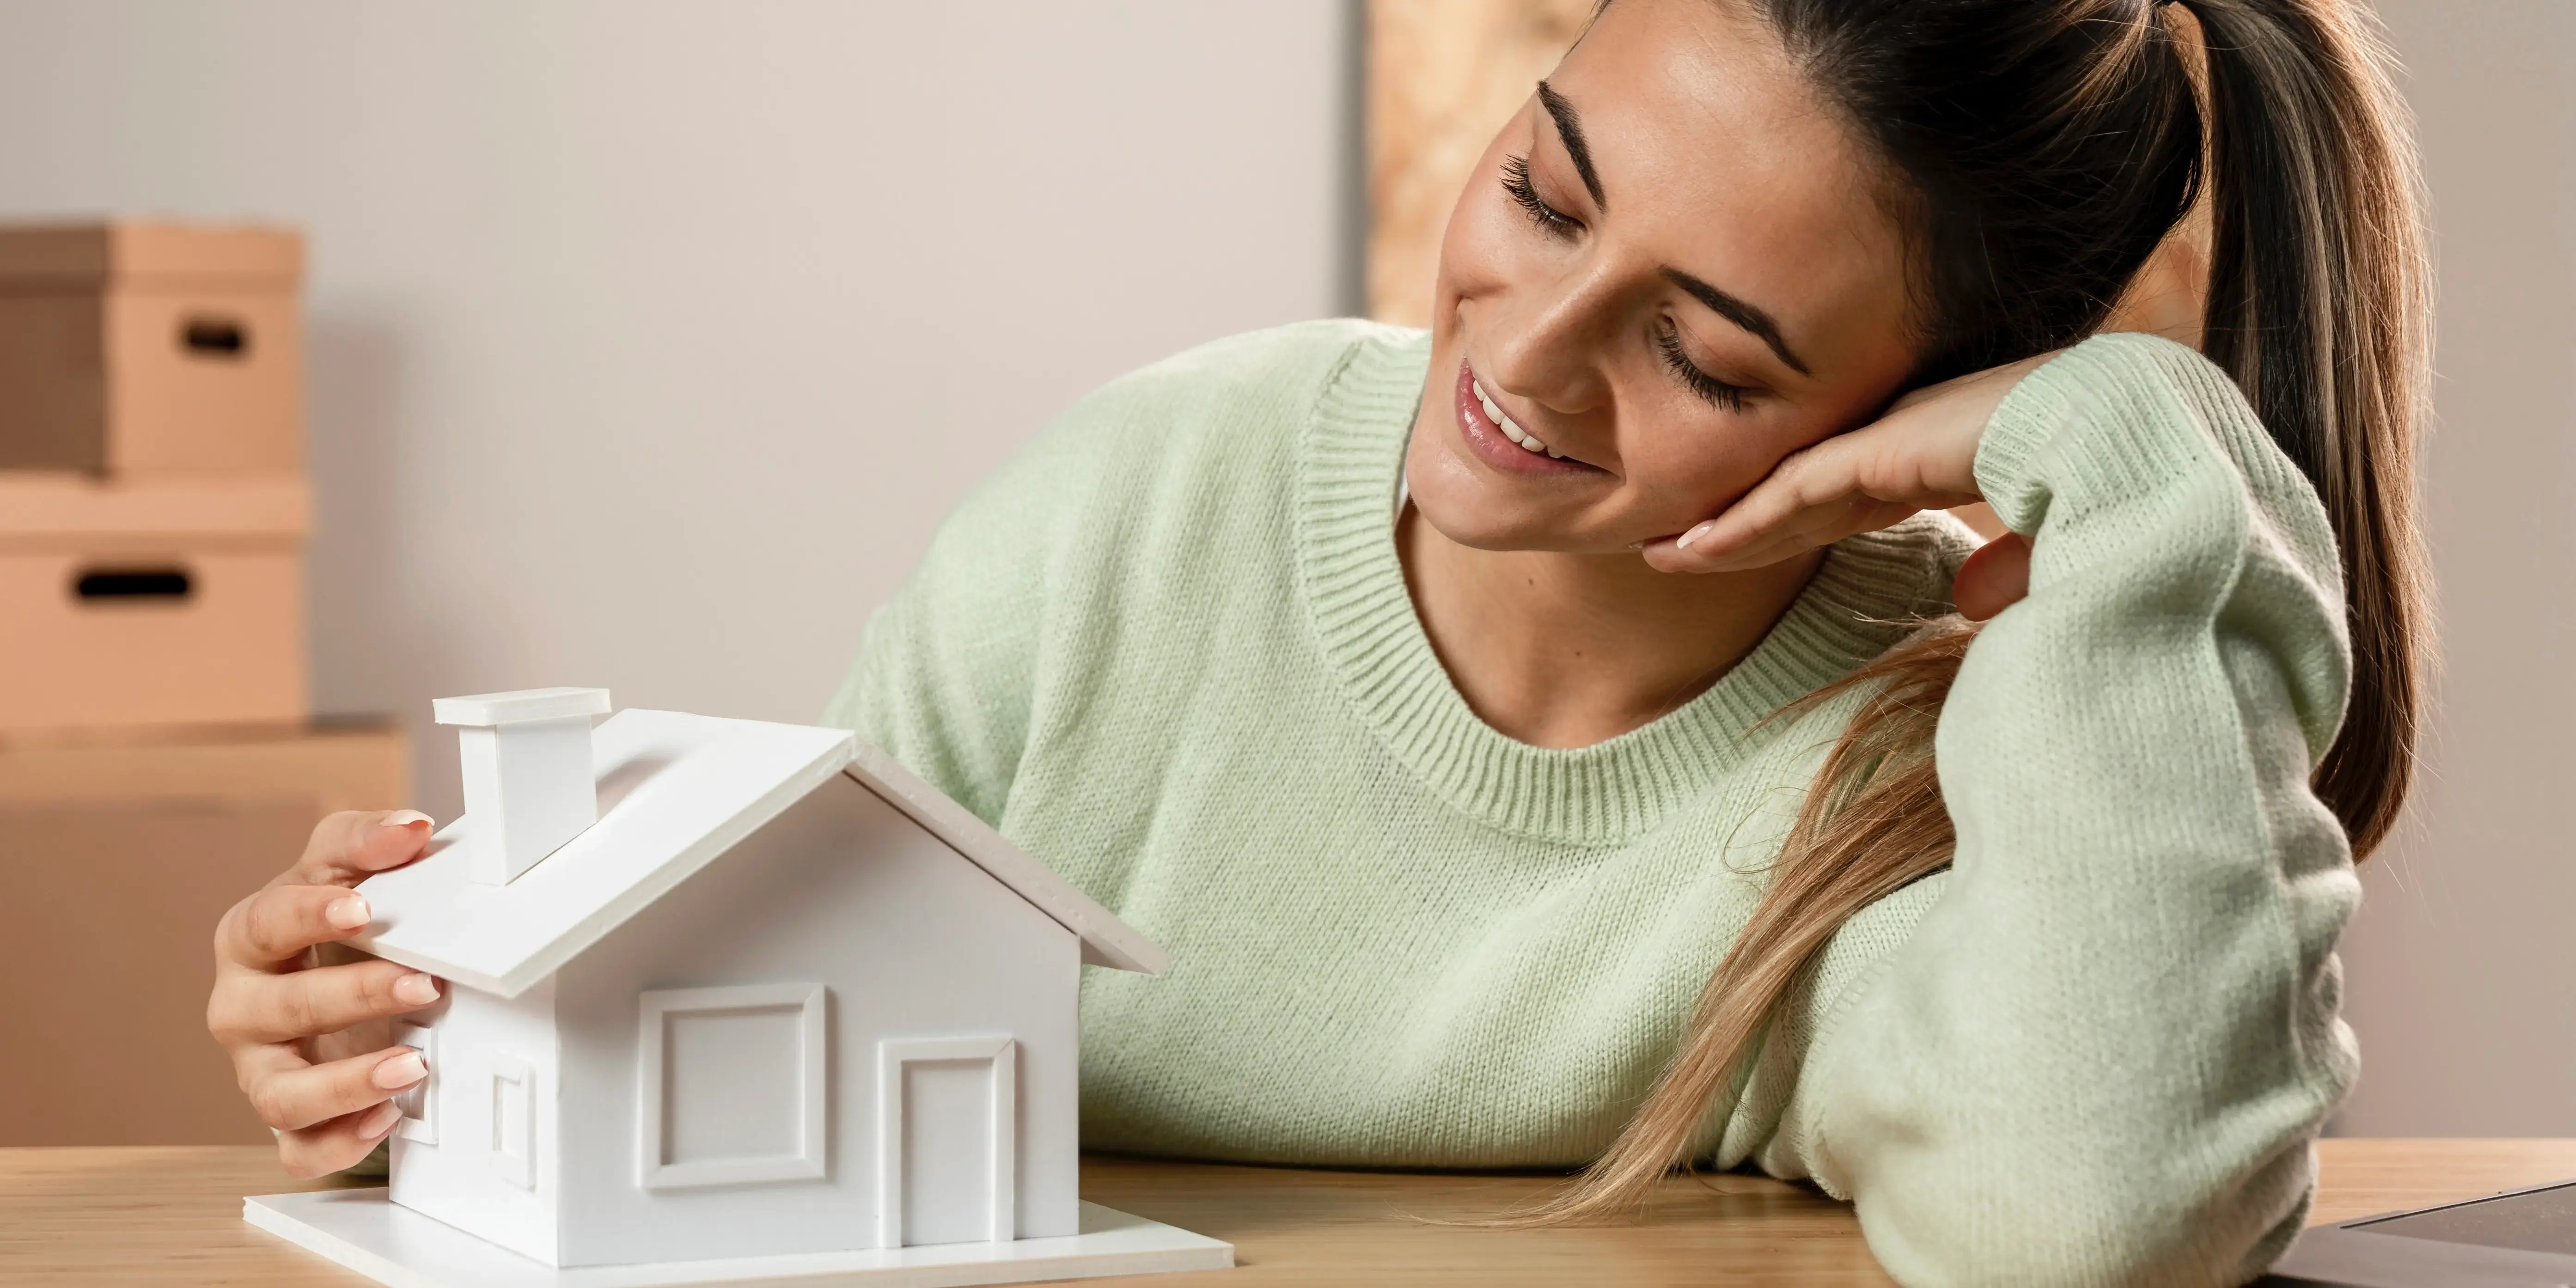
(649, 338)
(2461, 968)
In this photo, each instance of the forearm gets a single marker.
(2103, 1054)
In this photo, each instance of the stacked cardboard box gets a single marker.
(157, 756)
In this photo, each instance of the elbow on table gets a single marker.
(2097, 1224)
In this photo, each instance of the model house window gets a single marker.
(514, 1120)
(730, 1085)
(419, 1103)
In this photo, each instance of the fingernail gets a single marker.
(406, 817)
(1683, 542)
(379, 1120)
(401, 1071)
(348, 912)
(419, 990)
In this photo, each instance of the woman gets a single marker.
(1456, 708)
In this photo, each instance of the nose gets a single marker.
(1546, 343)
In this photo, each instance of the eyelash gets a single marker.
(1516, 183)
(1715, 392)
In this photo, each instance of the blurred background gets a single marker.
(642, 344)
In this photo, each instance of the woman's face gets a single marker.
(1671, 270)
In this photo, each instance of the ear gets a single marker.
(2171, 291)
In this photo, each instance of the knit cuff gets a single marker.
(2104, 383)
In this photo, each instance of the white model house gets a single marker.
(721, 990)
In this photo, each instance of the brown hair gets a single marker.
(2047, 148)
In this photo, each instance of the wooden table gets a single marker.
(173, 1216)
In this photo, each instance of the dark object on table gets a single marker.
(2517, 1239)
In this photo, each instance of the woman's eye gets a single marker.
(1516, 183)
(1711, 390)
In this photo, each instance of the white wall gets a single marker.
(650, 338)
(2461, 968)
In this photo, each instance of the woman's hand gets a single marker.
(309, 1042)
(1921, 455)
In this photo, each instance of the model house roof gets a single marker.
(675, 791)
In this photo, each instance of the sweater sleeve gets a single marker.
(2105, 1053)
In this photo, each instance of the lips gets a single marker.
(1499, 441)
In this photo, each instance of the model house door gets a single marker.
(949, 1120)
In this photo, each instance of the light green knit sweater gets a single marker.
(1169, 651)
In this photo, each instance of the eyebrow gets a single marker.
(1570, 129)
(1740, 313)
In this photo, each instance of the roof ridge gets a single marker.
(654, 832)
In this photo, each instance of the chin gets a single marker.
(1483, 514)
(1467, 508)
(1481, 532)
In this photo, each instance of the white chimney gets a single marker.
(528, 779)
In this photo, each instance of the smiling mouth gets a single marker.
(1493, 437)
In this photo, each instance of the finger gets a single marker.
(294, 1098)
(253, 1008)
(337, 1145)
(1811, 498)
(274, 926)
(1854, 482)
(1817, 525)
(1799, 484)
(1993, 579)
(352, 845)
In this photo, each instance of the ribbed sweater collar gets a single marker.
(1349, 462)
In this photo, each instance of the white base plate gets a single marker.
(367, 1232)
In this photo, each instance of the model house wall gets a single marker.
(493, 1082)
(910, 942)
(781, 997)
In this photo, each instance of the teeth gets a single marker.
(1529, 442)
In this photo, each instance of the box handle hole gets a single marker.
(215, 337)
(133, 585)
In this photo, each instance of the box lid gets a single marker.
(134, 253)
(44, 509)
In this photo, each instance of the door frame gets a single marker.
(892, 1055)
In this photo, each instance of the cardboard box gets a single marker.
(149, 603)
(131, 348)
(116, 861)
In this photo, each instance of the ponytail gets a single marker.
(2318, 290)
(2316, 307)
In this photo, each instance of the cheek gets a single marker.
(1685, 467)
